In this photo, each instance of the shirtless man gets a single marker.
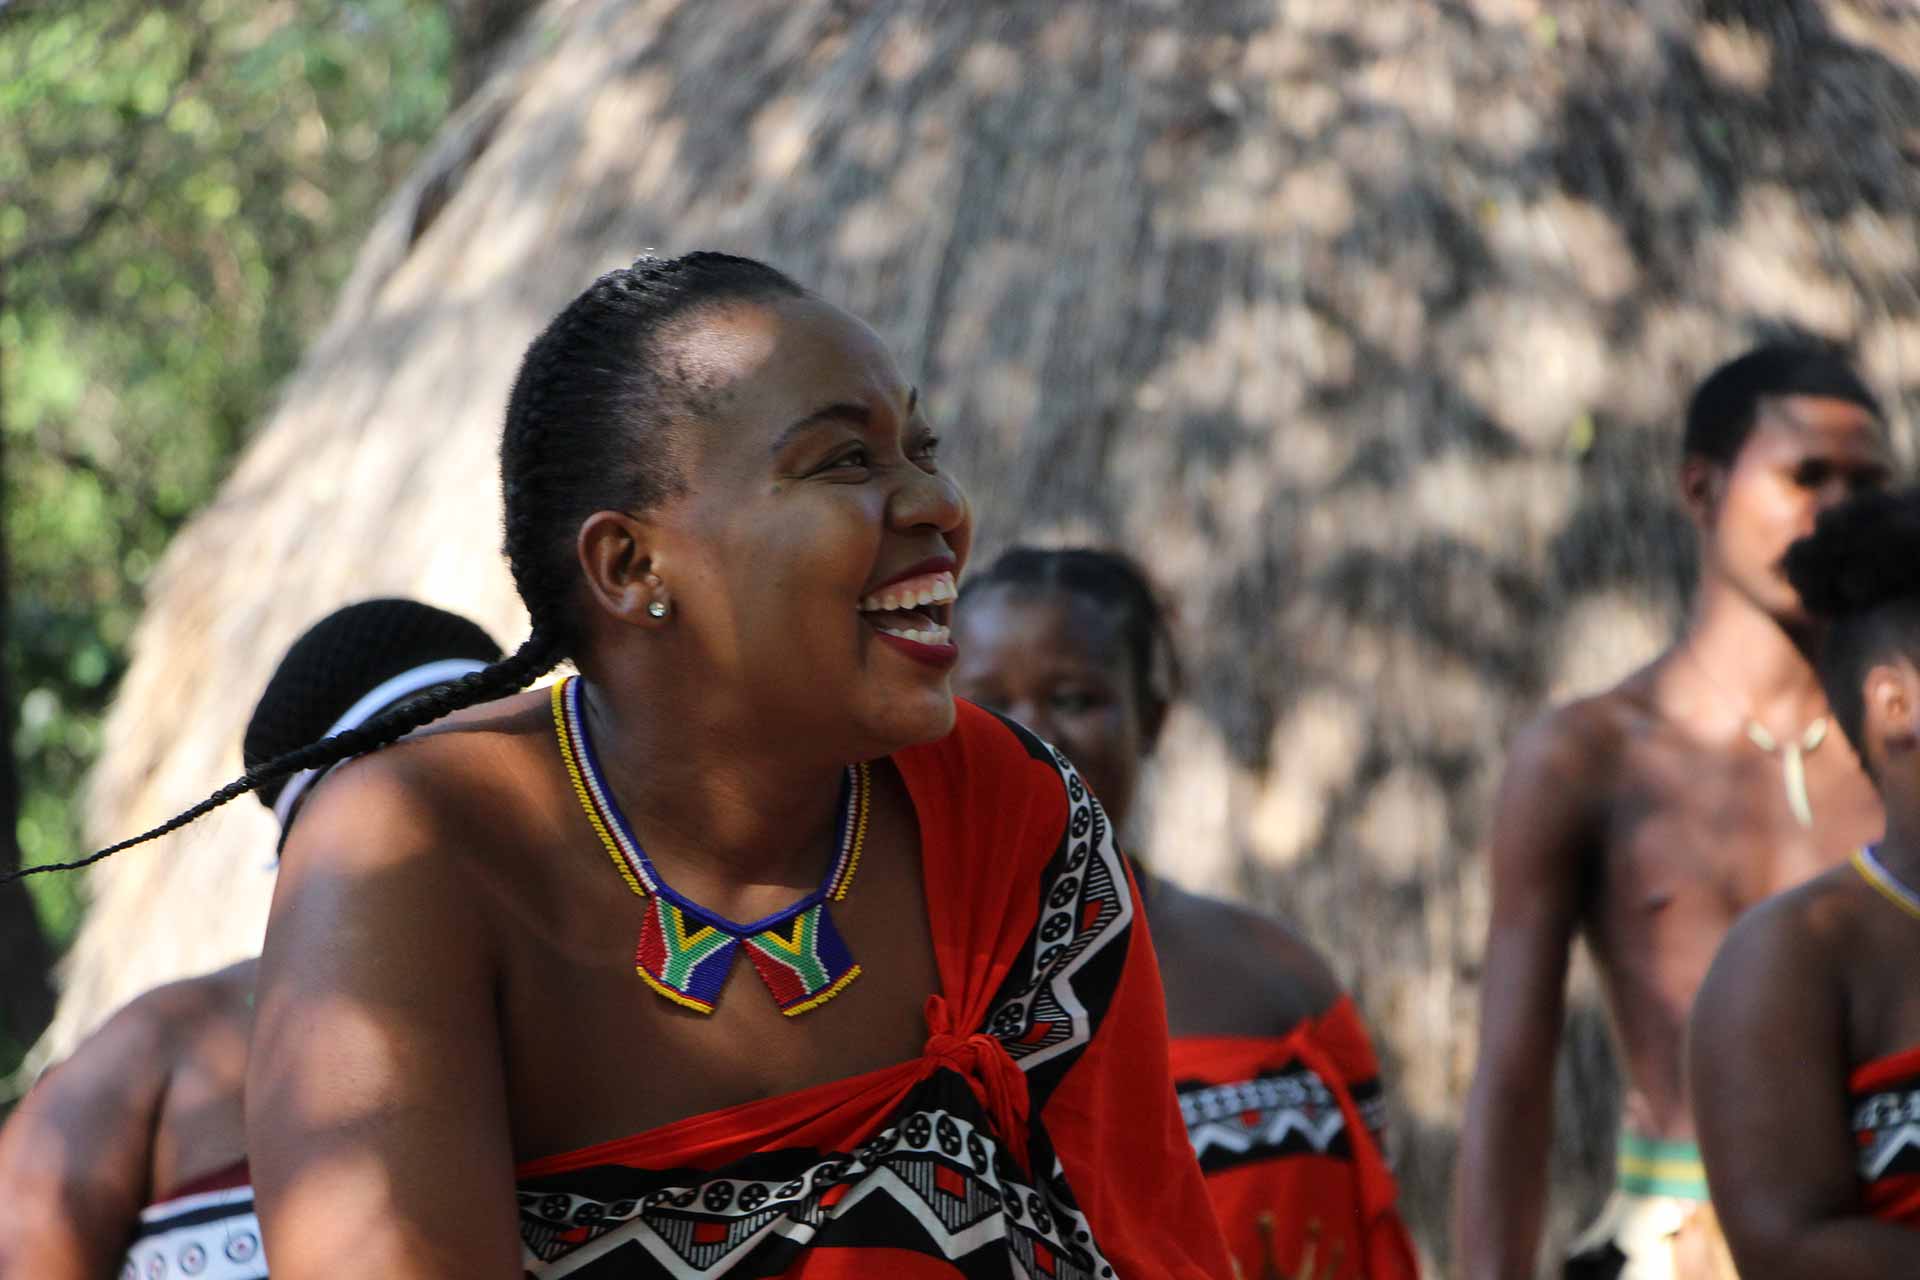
(1648, 817)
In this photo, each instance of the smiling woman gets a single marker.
(499, 957)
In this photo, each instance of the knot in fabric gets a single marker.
(989, 1070)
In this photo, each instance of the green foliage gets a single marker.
(182, 188)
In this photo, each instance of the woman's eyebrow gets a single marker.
(857, 415)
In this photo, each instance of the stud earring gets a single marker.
(658, 609)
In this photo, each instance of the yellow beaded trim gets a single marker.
(1873, 876)
(669, 992)
(865, 787)
(820, 999)
(580, 789)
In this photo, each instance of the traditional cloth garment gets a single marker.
(1658, 1223)
(1886, 1129)
(205, 1229)
(1036, 1137)
(1287, 1129)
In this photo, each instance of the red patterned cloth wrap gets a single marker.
(1036, 1138)
(1287, 1131)
(1886, 1131)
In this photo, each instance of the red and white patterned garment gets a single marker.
(1036, 1137)
(1287, 1131)
(205, 1230)
(1886, 1128)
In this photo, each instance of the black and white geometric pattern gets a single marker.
(1886, 1125)
(933, 1182)
(1280, 1113)
(210, 1236)
(1045, 1010)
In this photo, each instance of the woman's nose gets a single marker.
(928, 502)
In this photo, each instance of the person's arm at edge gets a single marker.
(1543, 836)
(1768, 1077)
(76, 1156)
(376, 1112)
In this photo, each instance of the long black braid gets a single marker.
(590, 427)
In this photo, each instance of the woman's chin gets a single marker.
(912, 717)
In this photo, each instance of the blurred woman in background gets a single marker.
(1276, 1076)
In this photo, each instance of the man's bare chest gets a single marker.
(1722, 830)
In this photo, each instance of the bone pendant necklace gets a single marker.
(1793, 762)
(1793, 754)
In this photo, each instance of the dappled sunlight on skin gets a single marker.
(1366, 326)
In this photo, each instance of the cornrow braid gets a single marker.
(590, 426)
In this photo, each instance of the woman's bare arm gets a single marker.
(77, 1154)
(376, 1112)
(1768, 1078)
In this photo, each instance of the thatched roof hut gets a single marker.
(1364, 324)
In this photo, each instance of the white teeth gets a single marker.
(934, 588)
(936, 634)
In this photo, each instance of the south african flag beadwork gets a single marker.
(686, 952)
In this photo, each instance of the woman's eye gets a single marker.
(1074, 702)
(855, 459)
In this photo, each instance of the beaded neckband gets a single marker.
(686, 951)
(1883, 881)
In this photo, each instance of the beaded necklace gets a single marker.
(1883, 881)
(685, 951)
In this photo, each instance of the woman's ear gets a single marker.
(1891, 695)
(616, 558)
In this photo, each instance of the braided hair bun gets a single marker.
(339, 660)
(1862, 555)
(1859, 572)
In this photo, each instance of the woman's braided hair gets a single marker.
(1859, 572)
(589, 428)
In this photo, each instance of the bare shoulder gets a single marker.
(1584, 743)
(422, 795)
(176, 1012)
(1803, 930)
(1209, 941)
(1565, 770)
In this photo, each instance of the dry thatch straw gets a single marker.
(1364, 324)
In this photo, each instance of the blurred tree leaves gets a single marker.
(182, 187)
